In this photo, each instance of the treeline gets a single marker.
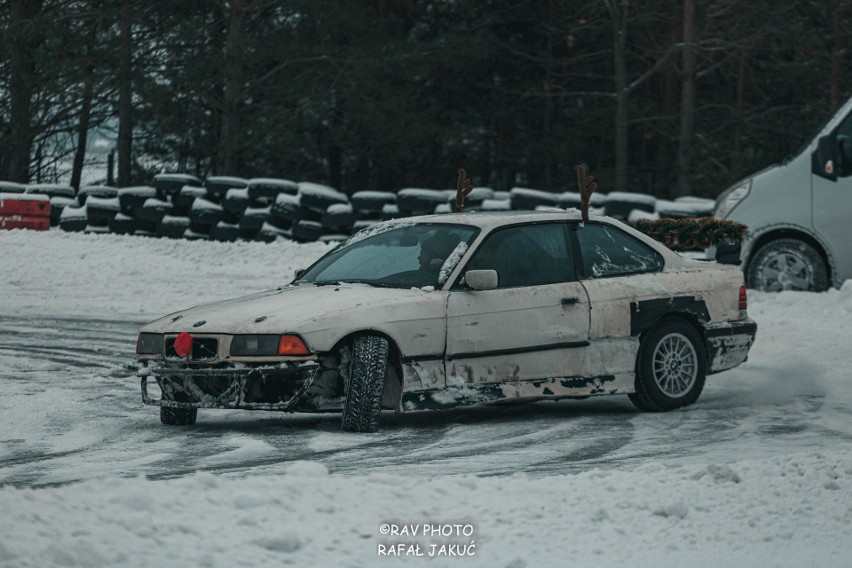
(657, 96)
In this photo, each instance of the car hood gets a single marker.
(305, 307)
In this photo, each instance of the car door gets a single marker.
(532, 324)
(618, 271)
(832, 200)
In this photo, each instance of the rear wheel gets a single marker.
(178, 416)
(368, 366)
(787, 264)
(671, 368)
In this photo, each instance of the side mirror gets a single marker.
(299, 272)
(824, 162)
(481, 279)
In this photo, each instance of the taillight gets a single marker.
(743, 299)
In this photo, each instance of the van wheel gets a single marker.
(671, 368)
(787, 264)
(368, 366)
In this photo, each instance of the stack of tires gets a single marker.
(227, 208)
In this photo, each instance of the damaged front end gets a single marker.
(278, 386)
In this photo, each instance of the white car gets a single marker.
(439, 311)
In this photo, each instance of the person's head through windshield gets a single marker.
(435, 250)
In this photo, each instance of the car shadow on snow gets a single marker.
(275, 422)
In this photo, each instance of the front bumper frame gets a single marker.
(229, 387)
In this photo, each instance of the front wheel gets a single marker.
(671, 368)
(787, 264)
(368, 366)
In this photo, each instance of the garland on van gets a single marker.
(696, 233)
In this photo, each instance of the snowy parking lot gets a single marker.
(759, 471)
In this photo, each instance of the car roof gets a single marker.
(491, 219)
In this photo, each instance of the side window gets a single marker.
(608, 251)
(527, 255)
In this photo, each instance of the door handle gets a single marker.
(570, 301)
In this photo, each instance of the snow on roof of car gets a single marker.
(490, 219)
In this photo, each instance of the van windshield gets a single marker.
(843, 110)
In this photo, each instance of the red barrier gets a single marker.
(26, 205)
(25, 222)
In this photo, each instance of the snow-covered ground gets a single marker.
(759, 471)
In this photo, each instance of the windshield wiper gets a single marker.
(335, 282)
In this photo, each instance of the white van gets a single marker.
(799, 214)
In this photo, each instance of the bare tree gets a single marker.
(125, 94)
(687, 99)
(25, 40)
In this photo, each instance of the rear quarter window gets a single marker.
(607, 251)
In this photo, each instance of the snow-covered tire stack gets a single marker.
(236, 201)
(416, 201)
(73, 218)
(339, 218)
(101, 210)
(153, 210)
(619, 204)
(203, 216)
(226, 232)
(12, 187)
(265, 190)
(252, 221)
(218, 186)
(185, 197)
(525, 199)
(685, 207)
(169, 184)
(229, 208)
(132, 198)
(172, 226)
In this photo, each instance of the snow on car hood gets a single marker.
(301, 308)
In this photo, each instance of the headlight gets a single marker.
(149, 344)
(268, 345)
(731, 198)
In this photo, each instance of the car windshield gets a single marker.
(396, 256)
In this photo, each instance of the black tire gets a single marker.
(666, 380)
(787, 264)
(178, 416)
(367, 370)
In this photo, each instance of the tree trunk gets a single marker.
(85, 114)
(125, 93)
(232, 91)
(21, 84)
(619, 24)
(687, 100)
(82, 132)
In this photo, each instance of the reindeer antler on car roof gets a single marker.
(588, 185)
(463, 189)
